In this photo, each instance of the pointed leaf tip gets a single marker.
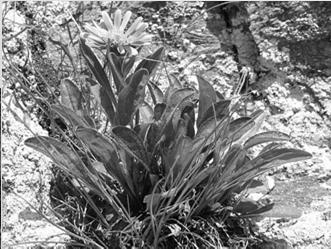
(207, 96)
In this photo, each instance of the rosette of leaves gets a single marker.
(180, 156)
(171, 157)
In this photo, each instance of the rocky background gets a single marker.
(285, 45)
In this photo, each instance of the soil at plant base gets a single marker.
(25, 186)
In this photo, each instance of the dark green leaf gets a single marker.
(102, 148)
(116, 67)
(180, 156)
(284, 155)
(249, 207)
(150, 138)
(256, 114)
(107, 105)
(174, 84)
(207, 96)
(269, 136)
(97, 70)
(217, 110)
(240, 127)
(128, 65)
(69, 116)
(179, 96)
(174, 81)
(154, 199)
(246, 206)
(131, 96)
(158, 111)
(270, 159)
(133, 143)
(63, 156)
(89, 120)
(156, 93)
(105, 151)
(270, 146)
(102, 97)
(232, 158)
(152, 61)
(188, 114)
(211, 128)
(71, 96)
(219, 96)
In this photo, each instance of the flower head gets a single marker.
(115, 32)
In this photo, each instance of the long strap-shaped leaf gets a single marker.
(156, 93)
(116, 67)
(207, 96)
(64, 157)
(269, 159)
(265, 137)
(133, 144)
(104, 151)
(127, 65)
(179, 96)
(69, 116)
(131, 97)
(248, 207)
(101, 77)
(239, 127)
(216, 110)
(71, 96)
(151, 62)
(102, 97)
(256, 167)
(132, 147)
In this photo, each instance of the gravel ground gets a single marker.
(25, 174)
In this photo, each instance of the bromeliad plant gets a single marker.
(179, 156)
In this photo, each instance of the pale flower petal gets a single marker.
(117, 19)
(125, 21)
(146, 38)
(95, 24)
(96, 38)
(134, 26)
(111, 32)
(141, 27)
(92, 29)
(135, 37)
(107, 20)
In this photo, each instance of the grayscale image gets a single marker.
(166, 124)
